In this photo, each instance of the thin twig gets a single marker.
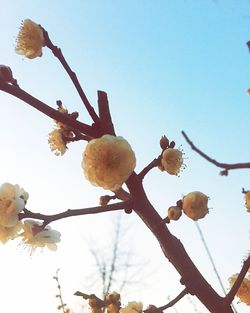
(225, 166)
(175, 300)
(59, 295)
(47, 110)
(58, 53)
(149, 167)
(93, 210)
(231, 294)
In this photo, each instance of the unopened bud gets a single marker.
(6, 74)
(104, 200)
(164, 142)
(172, 144)
(174, 213)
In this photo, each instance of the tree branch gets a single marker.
(225, 166)
(174, 250)
(104, 112)
(230, 296)
(149, 167)
(175, 300)
(47, 110)
(93, 210)
(58, 53)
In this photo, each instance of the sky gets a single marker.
(166, 66)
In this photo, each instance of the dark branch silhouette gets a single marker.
(69, 213)
(58, 53)
(225, 166)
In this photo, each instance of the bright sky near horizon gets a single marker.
(167, 66)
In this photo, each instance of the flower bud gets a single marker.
(6, 74)
(174, 213)
(164, 142)
(104, 200)
(195, 205)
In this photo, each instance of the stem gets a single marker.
(93, 210)
(175, 300)
(58, 53)
(47, 110)
(225, 166)
(149, 167)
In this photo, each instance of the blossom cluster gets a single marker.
(194, 205)
(13, 199)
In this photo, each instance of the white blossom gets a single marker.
(12, 202)
(132, 307)
(36, 236)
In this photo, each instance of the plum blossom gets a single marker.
(174, 213)
(30, 40)
(34, 236)
(12, 201)
(108, 162)
(172, 161)
(57, 142)
(195, 205)
(132, 307)
(247, 201)
(243, 292)
(62, 134)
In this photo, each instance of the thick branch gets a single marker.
(225, 166)
(230, 296)
(47, 110)
(93, 210)
(104, 113)
(174, 250)
(58, 53)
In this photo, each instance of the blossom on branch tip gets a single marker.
(132, 307)
(108, 162)
(174, 213)
(195, 205)
(34, 236)
(247, 201)
(30, 40)
(243, 292)
(172, 161)
(12, 202)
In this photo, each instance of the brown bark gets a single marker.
(174, 250)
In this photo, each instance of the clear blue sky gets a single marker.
(167, 66)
